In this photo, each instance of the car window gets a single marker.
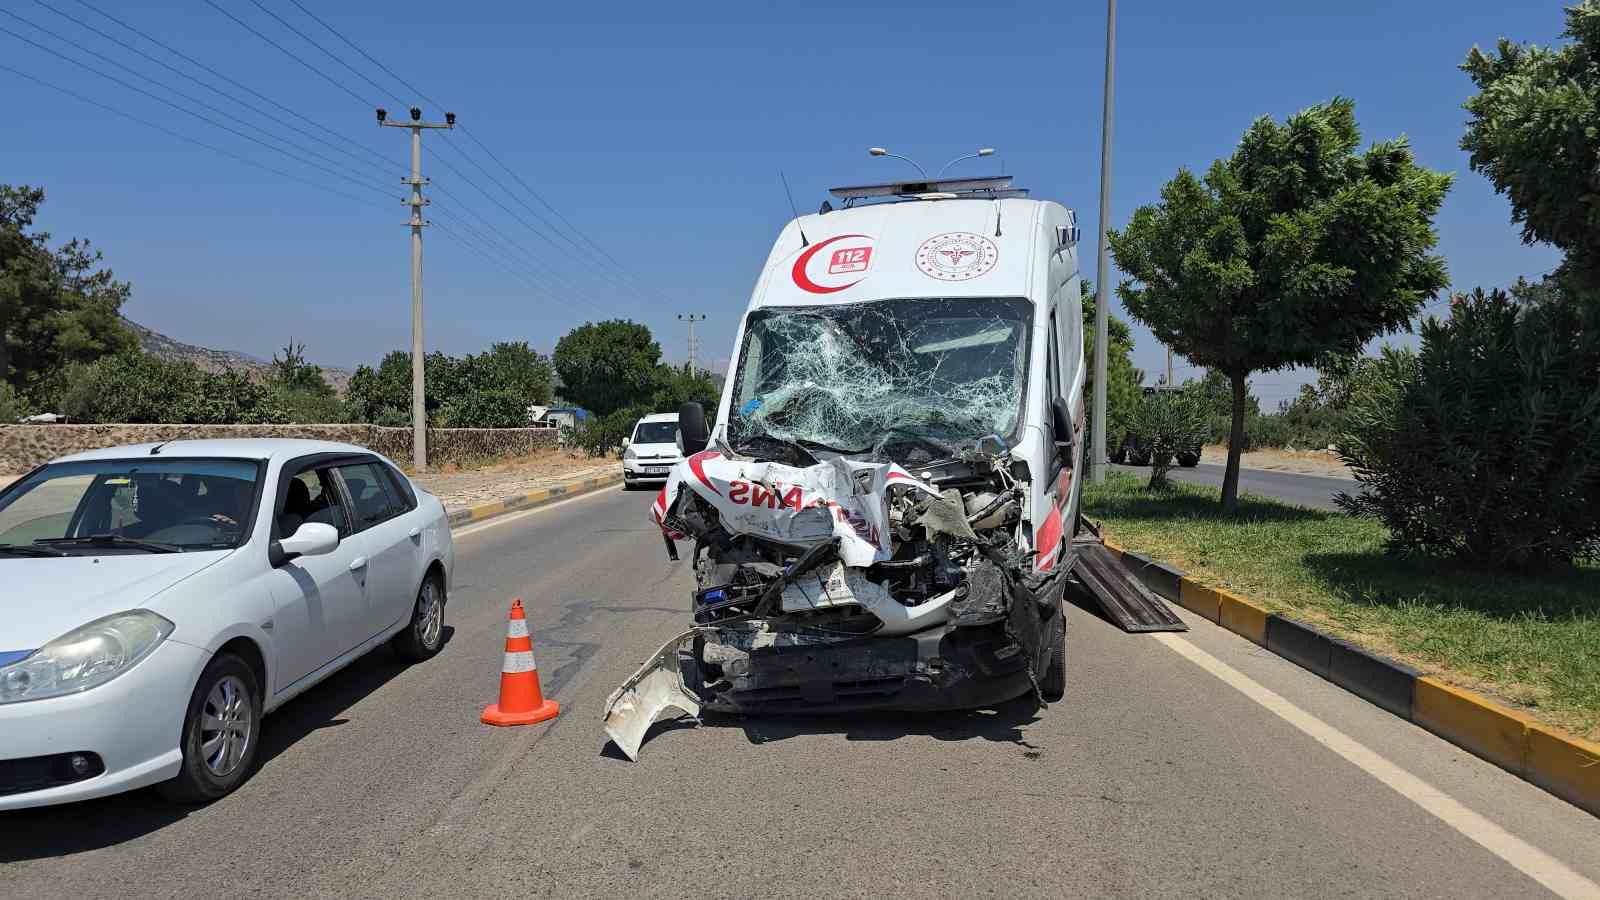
(192, 504)
(655, 433)
(401, 486)
(311, 497)
(369, 494)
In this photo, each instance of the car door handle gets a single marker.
(414, 532)
(358, 564)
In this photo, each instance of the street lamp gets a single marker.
(879, 151)
(986, 151)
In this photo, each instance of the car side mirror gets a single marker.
(626, 442)
(1061, 425)
(692, 432)
(310, 539)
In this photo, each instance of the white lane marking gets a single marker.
(508, 518)
(1521, 855)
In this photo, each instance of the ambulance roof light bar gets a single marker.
(994, 186)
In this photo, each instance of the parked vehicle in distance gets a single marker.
(651, 451)
(1133, 452)
(162, 598)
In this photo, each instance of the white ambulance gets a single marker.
(882, 507)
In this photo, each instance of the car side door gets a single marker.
(319, 602)
(391, 537)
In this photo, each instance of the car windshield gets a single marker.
(129, 506)
(869, 376)
(656, 433)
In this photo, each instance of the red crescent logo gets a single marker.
(697, 466)
(804, 281)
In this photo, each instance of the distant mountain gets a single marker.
(159, 345)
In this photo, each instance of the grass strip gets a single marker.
(1532, 641)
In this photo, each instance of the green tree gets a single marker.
(1534, 131)
(515, 368)
(138, 388)
(57, 308)
(608, 365)
(677, 385)
(1294, 247)
(382, 395)
(1122, 379)
(293, 374)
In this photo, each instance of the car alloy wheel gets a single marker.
(430, 615)
(226, 726)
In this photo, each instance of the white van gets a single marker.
(882, 508)
(651, 449)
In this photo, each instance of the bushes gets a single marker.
(137, 388)
(600, 435)
(10, 406)
(1167, 424)
(486, 409)
(1486, 444)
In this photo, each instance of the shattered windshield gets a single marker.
(861, 377)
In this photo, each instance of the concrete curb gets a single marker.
(1563, 764)
(533, 499)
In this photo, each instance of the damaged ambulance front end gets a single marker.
(861, 527)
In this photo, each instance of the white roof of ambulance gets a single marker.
(912, 248)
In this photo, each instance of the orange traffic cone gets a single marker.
(522, 701)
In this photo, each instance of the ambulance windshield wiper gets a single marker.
(792, 452)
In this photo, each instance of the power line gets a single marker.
(182, 137)
(537, 196)
(241, 86)
(304, 37)
(210, 87)
(290, 53)
(603, 257)
(367, 56)
(165, 101)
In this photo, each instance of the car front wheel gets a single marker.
(424, 635)
(221, 732)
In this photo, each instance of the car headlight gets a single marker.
(84, 657)
(629, 454)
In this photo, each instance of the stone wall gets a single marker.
(24, 446)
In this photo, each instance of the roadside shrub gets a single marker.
(1486, 444)
(602, 435)
(486, 409)
(10, 406)
(137, 388)
(1167, 424)
(310, 407)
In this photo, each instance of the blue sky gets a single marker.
(658, 130)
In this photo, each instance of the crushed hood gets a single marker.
(840, 498)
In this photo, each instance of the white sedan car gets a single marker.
(160, 599)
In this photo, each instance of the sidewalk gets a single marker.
(463, 490)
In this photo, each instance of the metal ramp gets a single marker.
(1119, 592)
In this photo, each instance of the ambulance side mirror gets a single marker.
(1061, 424)
(692, 433)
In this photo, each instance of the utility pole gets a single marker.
(419, 409)
(691, 318)
(1102, 308)
(1169, 367)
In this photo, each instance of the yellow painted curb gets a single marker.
(1201, 600)
(1472, 722)
(1564, 765)
(534, 498)
(488, 510)
(1242, 617)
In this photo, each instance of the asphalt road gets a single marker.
(1194, 765)
(1315, 491)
